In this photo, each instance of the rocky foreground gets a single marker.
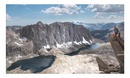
(82, 63)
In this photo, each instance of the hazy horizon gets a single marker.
(63, 22)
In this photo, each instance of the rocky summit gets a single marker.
(65, 36)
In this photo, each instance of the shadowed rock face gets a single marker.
(59, 35)
(121, 29)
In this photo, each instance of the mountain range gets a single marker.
(43, 38)
(103, 33)
(24, 44)
(98, 26)
(98, 30)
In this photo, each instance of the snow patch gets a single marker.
(24, 39)
(18, 44)
(84, 41)
(68, 44)
(48, 46)
(78, 43)
(19, 56)
(20, 40)
(58, 45)
(10, 61)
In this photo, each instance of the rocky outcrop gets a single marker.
(63, 64)
(121, 29)
(78, 64)
(82, 63)
(16, 45)
(103, 34)
(65, 36)
(118, 47)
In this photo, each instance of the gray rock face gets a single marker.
(121, 29)
(16, 45)
(65, 36)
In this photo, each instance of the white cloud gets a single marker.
(81, 11)
(93, 10)
(8, 17)
(115, 17)
(28, 9)
(120, 17)
(102, 11)
(106, 8)
(112, 17)
(90, 6)
(98, 15)
(63, 9)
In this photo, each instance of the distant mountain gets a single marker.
(66, 36)
(13, 28)
(98, 26)
(103, 34)
(108, 26)
(90, 26)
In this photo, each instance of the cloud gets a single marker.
(114, 17)
(106, 8)
(81, 11)
(28, 9)
(98, 15)
(8, 17)
(62, 9)
(120, 17)
(93, 10)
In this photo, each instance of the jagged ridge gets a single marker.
(56, 35)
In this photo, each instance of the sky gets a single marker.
(26, 14)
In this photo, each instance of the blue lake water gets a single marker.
(37, 64)
(88, 47)
(94, 46)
